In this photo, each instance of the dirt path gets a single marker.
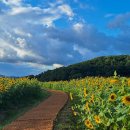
(42, 116)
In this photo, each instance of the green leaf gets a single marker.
(123, 129)
(115, 127)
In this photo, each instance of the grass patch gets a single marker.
(65, 119)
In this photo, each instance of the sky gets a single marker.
(38, 35)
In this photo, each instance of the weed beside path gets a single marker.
(63, 120)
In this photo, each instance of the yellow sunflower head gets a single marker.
(97, 119)
(85, 92)
(71, 96)
(128, 82)
(87, 122)
(74, 113)
(126, 100)
(113, 81)
(112, 97)
(92, 96)
(92, 99)
(87, 106)
(90, 126)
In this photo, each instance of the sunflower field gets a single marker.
(16, 92)
(98, 103)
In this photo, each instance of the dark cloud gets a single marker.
(121, 21)
(122, 40)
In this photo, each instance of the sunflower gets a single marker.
(87, 106)
(113, 81)
(128, 82)
(126, 100)
(97, 119)
(2, 88)
(74, 113)
(88, 124)
(71, 96)
(85, 92)
(92, 98)
(112, 97)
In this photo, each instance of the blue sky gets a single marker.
(37, 35)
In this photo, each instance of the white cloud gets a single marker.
(57, 66)
(22, 33)
(38, 66)
(48, 21)
(12, 52)
(45, 16)
(2, 54)
(12, 2)
(24, 10)
(18, 10)
(66, 9)
(78, 27)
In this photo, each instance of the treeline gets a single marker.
(101, 66)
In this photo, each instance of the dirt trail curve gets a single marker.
(42, 116)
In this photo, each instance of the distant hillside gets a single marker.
(101, 66)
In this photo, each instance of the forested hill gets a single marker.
(101, 66)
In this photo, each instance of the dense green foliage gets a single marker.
(101, 66)
(18, 92)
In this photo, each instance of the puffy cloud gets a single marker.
(23, 38)
(66, 9)
(20, 10)
(20, 32)
(57, 66)
(14, 53)
(78, 27)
